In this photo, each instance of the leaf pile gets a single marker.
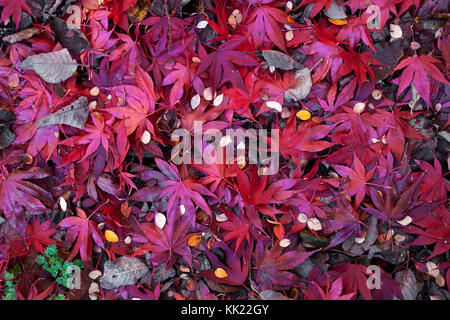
(91, 113)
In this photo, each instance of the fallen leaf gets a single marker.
(52, 67)
(75, 115)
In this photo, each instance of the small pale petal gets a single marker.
(274, 105)
(208, 94)
(285, 243)
(433, 269)
(359, 107)
(218, 100)
(221, 217)
(202, 24)
(314, 224)
(146, 137)
(396, 31)
(405, 221)
(195, 101)
(63, 204)
(94, 274)
(302, 218)
(160, 220)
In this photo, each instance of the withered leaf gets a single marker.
(72, 39)
(75, 115)
(301, 88)
(336, 11)
(21, 35)
(168, 121)
(122, 272)
(279, 60)
(6, 136)
(138, 12)
(410, 287)
(389, 54)
(272, 295)
(53, 67)
(6, 116)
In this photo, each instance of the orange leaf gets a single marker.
(279, 231)
(220, 273)
(338, 22)
(111, 236)
(194, 240)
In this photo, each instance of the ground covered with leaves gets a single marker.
(94, 207)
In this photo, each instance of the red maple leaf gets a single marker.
(359, 63)
(235, 264)
(354, 276)
(357, 179)
(355, 30)
(218, 175)
(265, 24)
(240, 100)
(33, 293)
(129, 53)
(135, 116)
(331, 293)
(177, 187)
(182, 77)
(256, 192)
(84, 230)
(221, 27)
(397, 129)
(98, 134)
(418, 68)
(304, 138)
(166, 243)
(40, 234)
(221, 64)
(318, 5)
(436, 231)
(271, 266)
(16, 193)
(238, 227)
(434, 186)
(14, 9)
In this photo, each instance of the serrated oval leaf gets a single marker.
(279, 60)
(52, 67)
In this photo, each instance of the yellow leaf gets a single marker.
(194, 240)
(111, 236)
(338, 22)
(220, 273)
(304, 115)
